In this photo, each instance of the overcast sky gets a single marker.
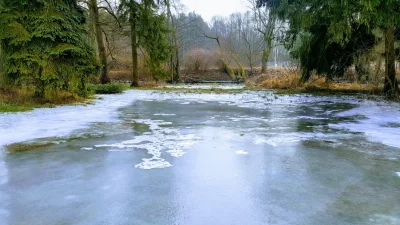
(209, 8)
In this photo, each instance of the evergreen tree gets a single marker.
(153, 31)
(333, 34)
(148, 30)
(44, 44)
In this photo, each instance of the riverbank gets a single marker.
(22, 99)
(13, 99)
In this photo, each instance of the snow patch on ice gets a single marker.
(241, 152)
(157, 141)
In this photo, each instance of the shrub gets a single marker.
(110, 88)
(196, 60)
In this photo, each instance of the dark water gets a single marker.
(250, 158)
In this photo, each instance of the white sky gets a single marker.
(209, 8)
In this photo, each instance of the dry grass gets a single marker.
(15, 99)
(288, 79)
(120, 75)
(151, 84)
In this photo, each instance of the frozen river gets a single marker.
(172, 157)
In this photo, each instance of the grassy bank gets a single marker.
(13, 99)
(20, 99)
(289, 83)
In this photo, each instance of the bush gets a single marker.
(197, 60)
(111, 88)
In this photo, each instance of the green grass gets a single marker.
(22, 147)
(10, 107)
(111, 88)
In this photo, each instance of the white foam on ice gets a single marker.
(159, 140)
(153, 163)
(241, 152)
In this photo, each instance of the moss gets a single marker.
(22, 147)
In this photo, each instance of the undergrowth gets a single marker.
(110, 88)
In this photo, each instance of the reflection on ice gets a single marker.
(164, 114)
(375, 126)
(278, 139)
(3, 172)
(384, 219)
(59, 121)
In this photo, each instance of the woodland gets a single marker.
(64, 46)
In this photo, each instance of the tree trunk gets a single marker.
(391, 86)
(1, 66)
(40, 85)
(268, 37)
(177, 64)
(174, 62)
(100, 42)
(132, 20)
(264, 60)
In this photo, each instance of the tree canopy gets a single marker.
(43, 43)
(332, 34)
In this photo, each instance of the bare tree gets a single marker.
(94, 9)
(266, 24)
